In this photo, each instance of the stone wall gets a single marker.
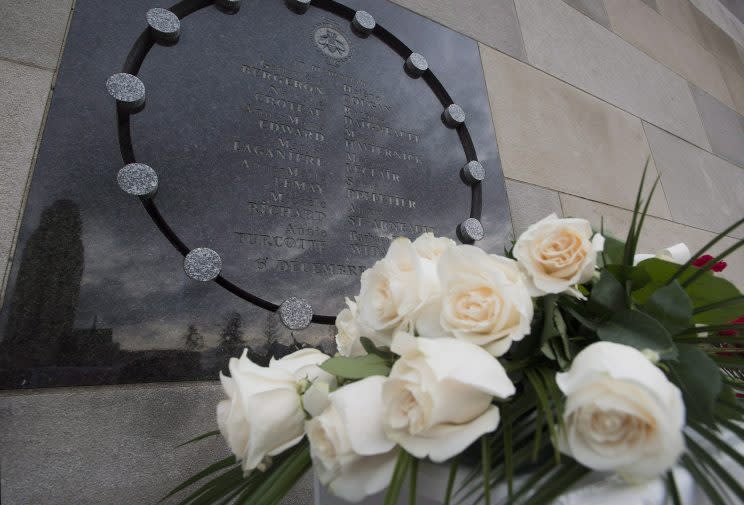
(581, 93)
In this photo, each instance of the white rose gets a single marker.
(263, 414)
(305, 365)
(349, 332)
(430, 247)
(621, 413)
(556, 254)
(437, 399)
(394, 289)
(677, 253)
(350, 452)
(484, 300)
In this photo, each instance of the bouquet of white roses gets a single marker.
(568, 354)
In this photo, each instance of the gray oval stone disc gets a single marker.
(470, 230)
(137, 179)
(127, 89)
(299, 5)
(364, 22)
(229, 5)
(202, 264)
(454, 115)
(473, 172)
(296, 313)
(416, 64)
(164, 24)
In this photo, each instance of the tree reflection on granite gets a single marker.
(41, 346)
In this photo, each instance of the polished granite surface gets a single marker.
(286, 142)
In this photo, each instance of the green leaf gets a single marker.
(578, 311)
(560, 325)
(532, 483)
(608, 293)
(486, 464)
(644, 213)
(208, 434)
(214, 467)
(555, 394)
(719, 443)
(698, 377)
(549, 306)
(554, 326)
(702, 270)
(671, 306)
(356, 368)
(613, 250)
(636, 329)
(632, 232)
(371, 348)
(702, 480)
(708, 289)
(282, 476)
(539, 420)
(707, 247)
(553, 350)
(545, 407)
(672, 488)
(508, 457)
(716, 328)
(715, 468)
(568, 474)
(719, 304)
(638, 278)
(214, 489)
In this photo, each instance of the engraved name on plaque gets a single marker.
(235, 187)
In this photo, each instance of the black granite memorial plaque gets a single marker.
(289, 141)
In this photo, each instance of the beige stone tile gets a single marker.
(111, 445)
(568, 45)
(493, 22)
(32, 31)
(724, 126)
(529, 204)
(23, 96)
(682, 14)
(702, 189)
(656, 233)
(736, 7)
(553, 135)
(643, 27)
(735, 83)
(719, 42)
(593, 8)
(721, 16)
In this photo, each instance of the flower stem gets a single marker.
(451, 481)
(486, 462)
(412, 489)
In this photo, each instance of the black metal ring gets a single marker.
(133, 63)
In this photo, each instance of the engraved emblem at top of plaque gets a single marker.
(331, 42)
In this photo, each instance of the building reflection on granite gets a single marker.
(42, 347)
(42, 310)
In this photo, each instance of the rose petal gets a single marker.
(360, 407)
(445, 441)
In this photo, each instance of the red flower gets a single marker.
(732, 333)
(719, 267)
(702, 260)
(705, 259)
